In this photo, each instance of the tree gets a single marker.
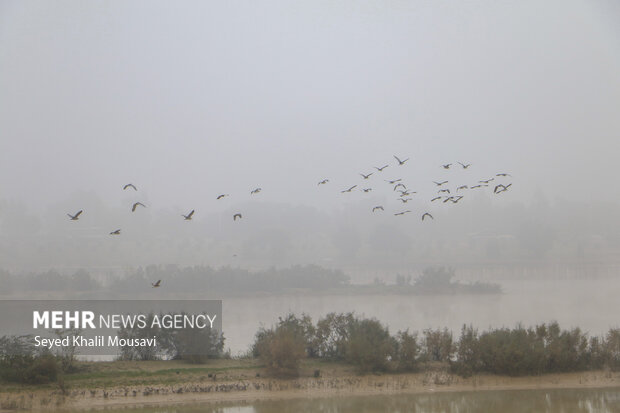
(407, 351)
(369, 346)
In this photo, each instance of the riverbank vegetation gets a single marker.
(367, 345)
(363, 344)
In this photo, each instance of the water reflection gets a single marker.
(510, 401)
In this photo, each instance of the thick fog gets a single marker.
(189, 101)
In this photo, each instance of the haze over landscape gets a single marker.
(382, 205)
(192, 101)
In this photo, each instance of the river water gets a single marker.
(592, 305)
(505, 401)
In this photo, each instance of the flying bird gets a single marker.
(405, 200)
(448, 199)
(130, 186)
(465, 166)
(382, 168)
(157, 284)
(399, 161)
(117, 232)
(486, 181)
(456, 199)
(435, 199)
(405, 193)
(237, 216)
(446, 166)
(377, 207)
(348, 190)
(76, 216)
(443, 190)
(461, 187)
(188, 216)
(477, 186)
(497, 189)
(133, 208)
(392, 182)
(426, 214)
(440, 183)
(503, 175)
(367, 189)
(221, 196)
(402, 213)
(323, 182)
(256, 191)
(366, 176)
(399, 185)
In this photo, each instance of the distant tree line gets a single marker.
(182, 279)
(367, 344)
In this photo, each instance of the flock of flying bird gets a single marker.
(443, 194)
(406, 193)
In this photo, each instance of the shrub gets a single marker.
(407, 350)
(370, 346)
(332, 335)
(281, 350)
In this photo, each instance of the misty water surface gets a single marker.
(514, 401)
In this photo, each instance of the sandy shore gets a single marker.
(209, 390)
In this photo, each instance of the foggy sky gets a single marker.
(191, 99)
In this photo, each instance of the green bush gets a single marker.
(407, 351)
(29, 369)
(281, 349)
(370, 346)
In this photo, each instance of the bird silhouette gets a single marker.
(501, 188)
(456, 199)
(256, 191)
(157, 284)
(440, 183)
(402, 213)
(367, 189)
(435, 199)
(130, 186)
(503, 175)
(382, 168)
(406, 193)
(448, 199)
(76, 216)
(117, 232)
(399, 185)
(465, 166)
(237, 216)
(367, 176)
(446, 166)
(348, 190)
(461, 187)
(477, 186)
(377, 207)
(221, 196)
(443, 190)
(426, 214)
(404, 200)
(133, 208)
(486, 181)
(392, 182)
(399, 161)
(323, 182)
(188, 216)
